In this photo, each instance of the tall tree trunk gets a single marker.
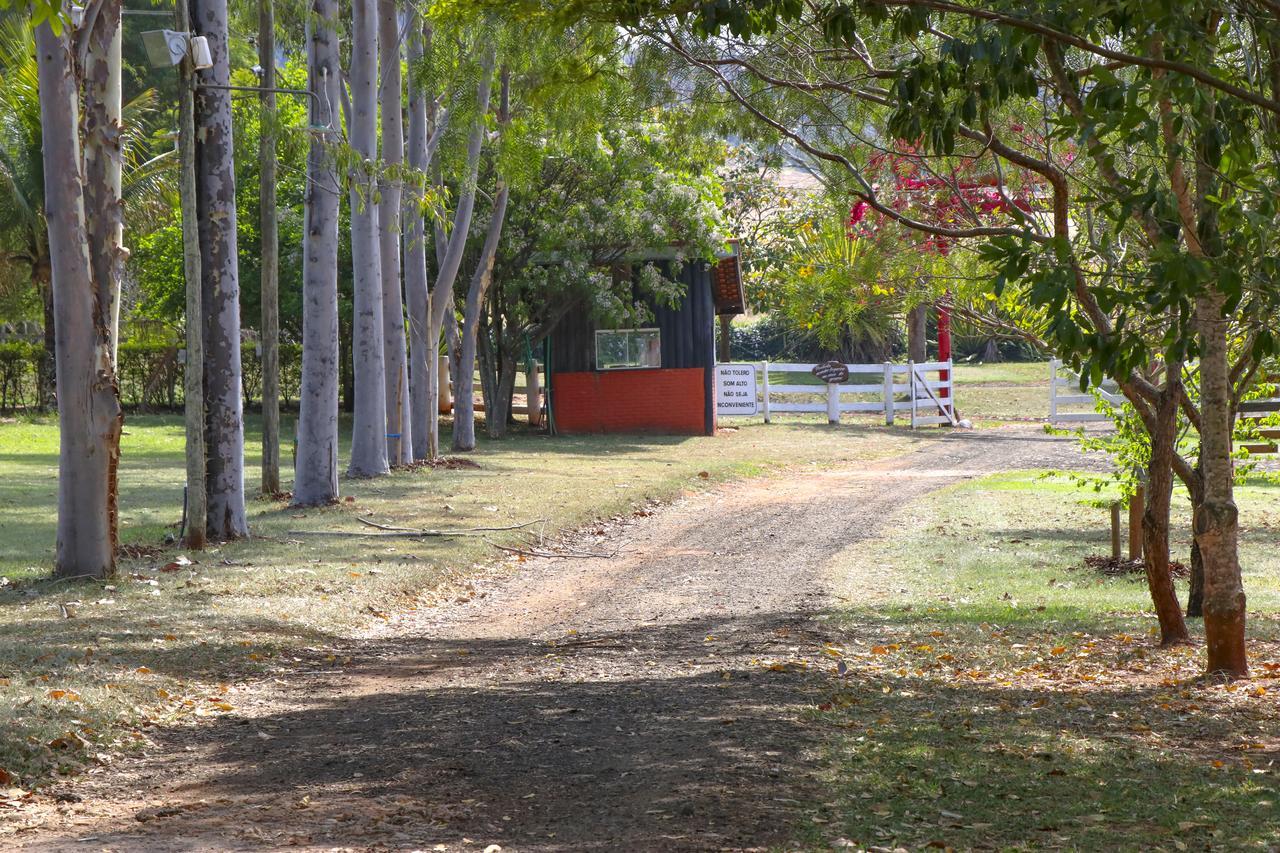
(1155, 520)
(464, 411)
(103, 158)
(270, 253)
(422, 355)
(315, 475)
(89, 412)
(216, 207)
(918, 333)
(450, 259)
(399, 428)
(1217, 520)
(369, 432)
(197, 503)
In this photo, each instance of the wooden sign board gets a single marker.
(736, 390)
(831, 372)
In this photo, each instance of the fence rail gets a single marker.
(1109, 392)
(896, 388)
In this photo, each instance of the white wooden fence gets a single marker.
(898, 388)
(1060, 379)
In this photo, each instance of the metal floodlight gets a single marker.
(165, 47)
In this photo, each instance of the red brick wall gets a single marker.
(662, 401)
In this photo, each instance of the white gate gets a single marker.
(891, 388)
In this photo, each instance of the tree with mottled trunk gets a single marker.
(369, 431)
(1163, 430)
(1217, 520)
(399, 428)
(315, 475)
(270, 252)
(422, 358)
(193, 370)
(89, 412)
(464, 405)
(450, 251)
(918, 333)
(219, 270)
(103, 159)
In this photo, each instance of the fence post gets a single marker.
(911, 383)
(1115, 531)
(888, 393)
(765, 389)
(833, 402)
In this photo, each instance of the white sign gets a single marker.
(736, 390)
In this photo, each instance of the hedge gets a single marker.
(150, 375)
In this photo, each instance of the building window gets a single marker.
(620, 349)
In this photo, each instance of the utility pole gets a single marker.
(193, 383)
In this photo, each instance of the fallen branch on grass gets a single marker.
(568, 555)
(410, 532)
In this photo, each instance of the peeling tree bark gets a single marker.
(89, 413)
(399, 427)
(369, 431)
(315, 476)
(216, 208)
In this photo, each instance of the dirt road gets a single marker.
(618, 702)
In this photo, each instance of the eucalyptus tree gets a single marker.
(269, 232)
(422, 143)
(89, 413)
(450, 247)
(464, 413)
(391, 41)
(315, 479)
(219, 269)
(369, 432)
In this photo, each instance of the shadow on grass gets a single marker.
(636, 740)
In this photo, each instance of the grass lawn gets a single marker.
(1001, 696)
(1004, 391)
(85, 667)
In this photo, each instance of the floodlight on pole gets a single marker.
(169, 47)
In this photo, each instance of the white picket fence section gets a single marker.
(1066, 379)
(929, 401)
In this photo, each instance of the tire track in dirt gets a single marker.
(620, 703)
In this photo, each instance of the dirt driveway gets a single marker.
(653, 698)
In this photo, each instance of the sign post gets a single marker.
(736, 390)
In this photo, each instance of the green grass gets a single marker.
(987, 393)
(90, 666)
(1002, 696)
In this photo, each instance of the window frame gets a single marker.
(628, 331)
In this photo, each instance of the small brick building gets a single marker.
(656, 379)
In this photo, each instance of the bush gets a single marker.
(150, 373)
